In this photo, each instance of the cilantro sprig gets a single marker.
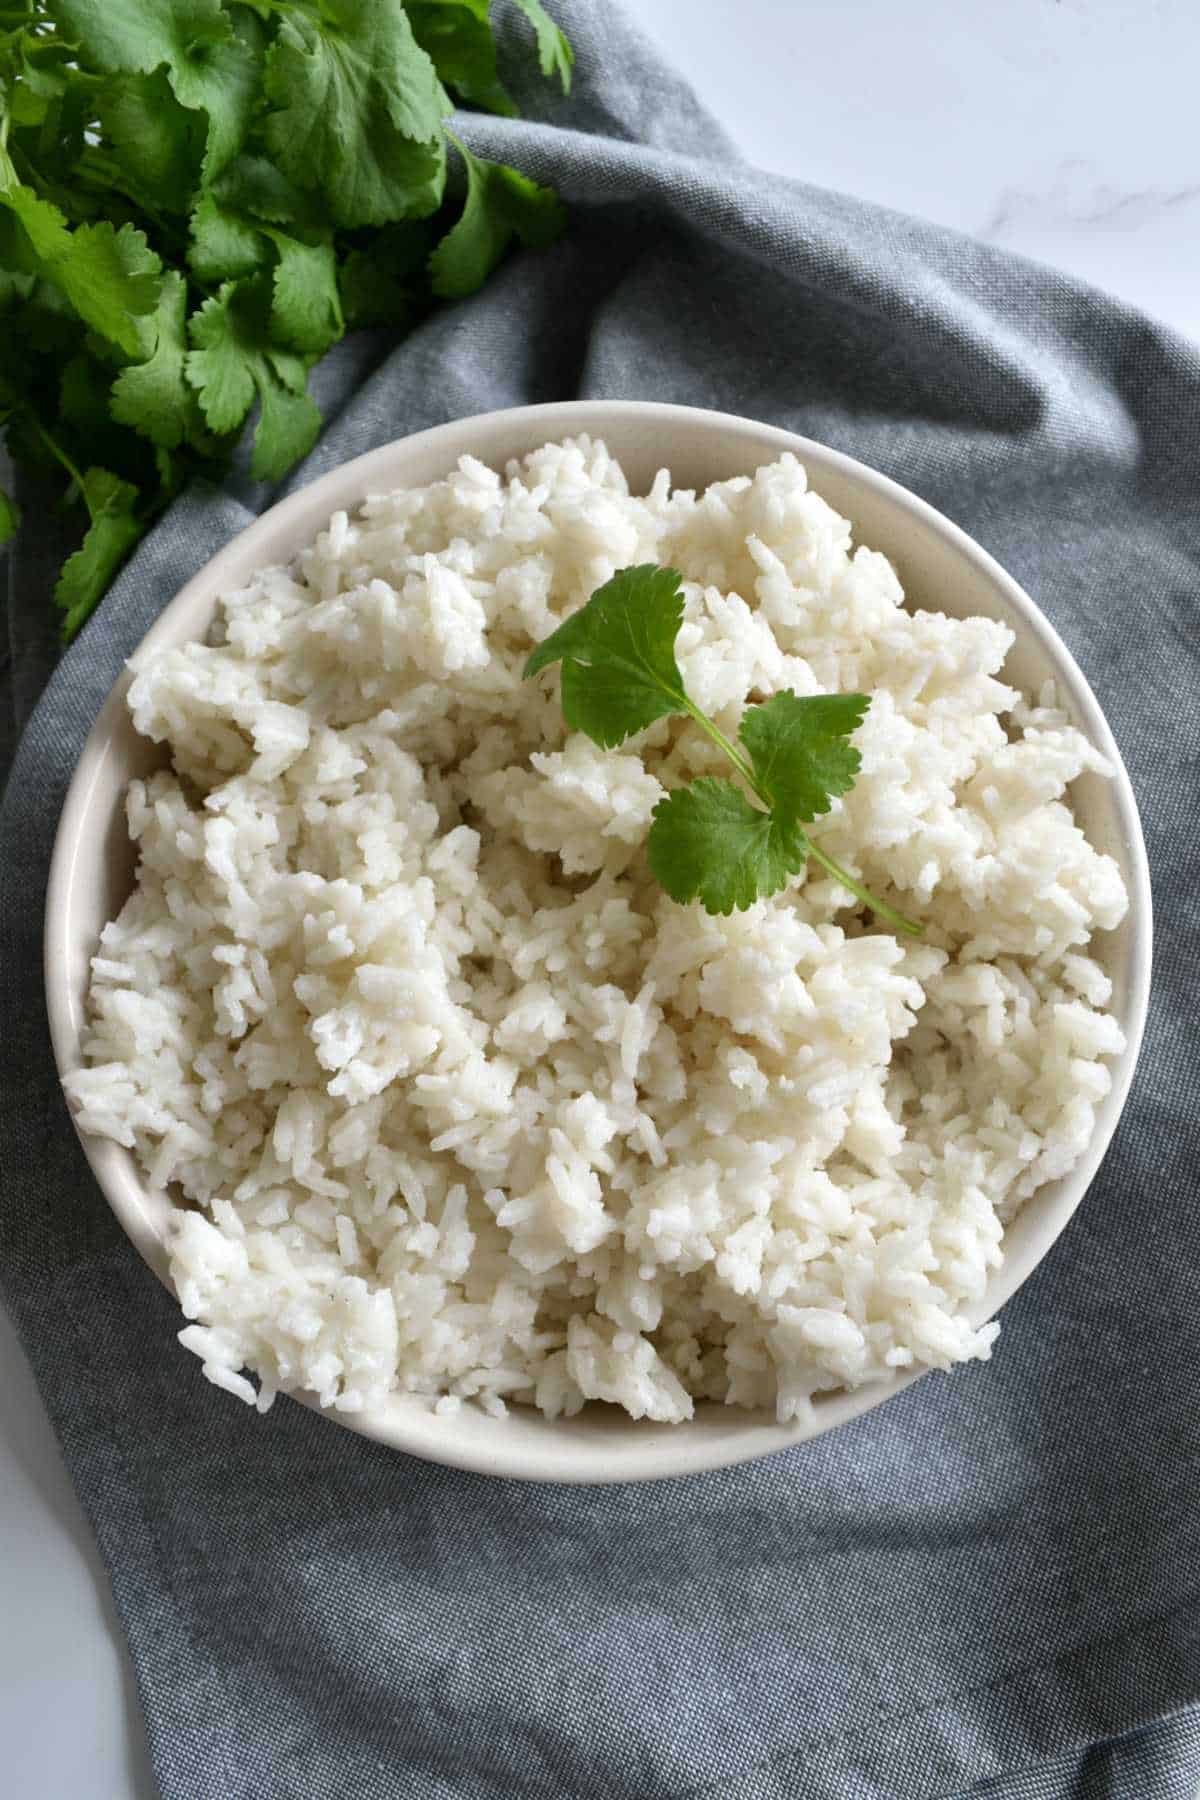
(198, 198)
(709, 840)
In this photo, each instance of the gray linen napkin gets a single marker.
(990, 1584)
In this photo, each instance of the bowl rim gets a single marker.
(563, 1450)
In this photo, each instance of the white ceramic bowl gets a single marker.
(940, 567)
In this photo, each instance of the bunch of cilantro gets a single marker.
(197, 199)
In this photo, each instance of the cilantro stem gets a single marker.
(56, 450)
(731, 751)
(896, 919)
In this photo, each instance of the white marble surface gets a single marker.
(1064, 129)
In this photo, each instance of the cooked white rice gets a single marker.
(465, 1105)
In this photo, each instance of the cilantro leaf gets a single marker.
(38, 233)
(358, 111)
(144, 34)
(112, 533)
(43, 235)
(108, 276)
(152, 396)
(234, 361)
(212, 68)
(41, 83)
(708, 843)
(111, 278)
(618, 656)
(157, 143)
(457, 37)
(555, 55)
(221, 366)
(255, 186)
(228, 87)
(306, 309)
(801, 750)
(222, 246)
(10, 516)
(500, 205)
(289, 423)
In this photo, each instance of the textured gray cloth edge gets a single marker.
(989, 1586)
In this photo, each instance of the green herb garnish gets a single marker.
(197, 199)
(709, 841)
